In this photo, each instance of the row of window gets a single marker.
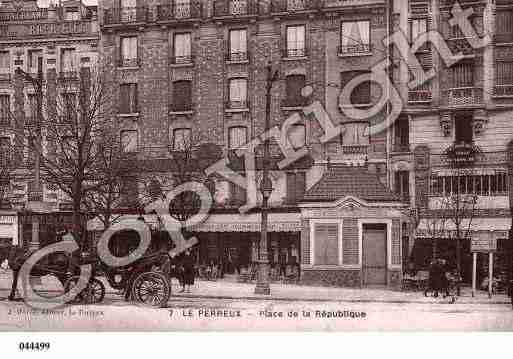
(355, 38)
(482, 185)
(181, 138)
(68, 61)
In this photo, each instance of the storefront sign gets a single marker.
(483, 245)
(462, 155)
(45, 29)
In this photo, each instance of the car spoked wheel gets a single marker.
(152, 289)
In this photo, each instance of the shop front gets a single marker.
(495, 229)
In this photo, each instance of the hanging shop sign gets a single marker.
(483, 245)
(45, 29)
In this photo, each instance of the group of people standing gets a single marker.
(182, 268)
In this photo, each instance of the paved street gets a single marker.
(333, 309)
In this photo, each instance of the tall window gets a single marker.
(68, 60)
(492, 184)
(238, 194)
(5, 110)
(128, 99)
(326, 248)
(182, 48)
(128, 10)
(361, 94)
(129, 51)
(417, 28)
(237, 137)
(31, 114)
(72, 13)
(69, 106)
(296, 41)
(464, 131)
(297, 136)
(182, 95)
(402, 134)
(504, 72)
(129, 141)
(182, 9)
(355, 37)
(294, 85)
(238, 93)
(181, 140)
(5, 63)
(33, 60)
(238, 45)
(402, 184)
(463, 75)
(296, 187)
(5, 151)
(504, 26)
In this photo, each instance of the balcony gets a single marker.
(24, 15)
(401, 147)
(129, 62)
(355, 149)
(283, 6)
(237, 105)
(353, 50)
(68, 75)
(128, 15)
(228, 8)
(182, 60)
(5, 77)
(233, 56)
(420, 96)
(462, 96)
(179, 10)
(35, 196)
(503, 91)
(294, 53)
(181, 107)
(460, 44)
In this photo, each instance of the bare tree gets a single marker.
(65, 135)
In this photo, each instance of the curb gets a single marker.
(319, 300)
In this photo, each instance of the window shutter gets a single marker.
(124, 98)
(326, 244)
(291, 188)
(300, 186)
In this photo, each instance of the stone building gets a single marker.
(195, 72)
(467, 106)
(66, 38)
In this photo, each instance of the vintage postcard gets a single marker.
(274, 165)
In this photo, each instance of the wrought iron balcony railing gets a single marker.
(420, 96)
(401, 147)
(463, 96)
(129, 62)
(24, 15)
(181, 107)
(460, 44)
(35, 196)
(182, 60)
(180, 10)
(280, 6)
(503, 91)
(295, 52)
(237, 105)
(68, 75)
(233, 56)
(224, 8)
(354, 49)
(126, 15)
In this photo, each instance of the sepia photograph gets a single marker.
(255, 165)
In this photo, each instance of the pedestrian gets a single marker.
(188, 271)
(282, 262)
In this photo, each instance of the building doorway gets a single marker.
(374, 254)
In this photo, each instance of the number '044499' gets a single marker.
(32, 346)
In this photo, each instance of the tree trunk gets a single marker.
(76, 218)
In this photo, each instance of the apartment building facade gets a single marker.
(466, 107)
(63, 39)
(195, 72)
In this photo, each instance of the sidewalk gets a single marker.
(229, 289)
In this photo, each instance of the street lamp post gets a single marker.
(35, 195)
(266, 188)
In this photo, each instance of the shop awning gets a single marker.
(496, 227)
(277, 222)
